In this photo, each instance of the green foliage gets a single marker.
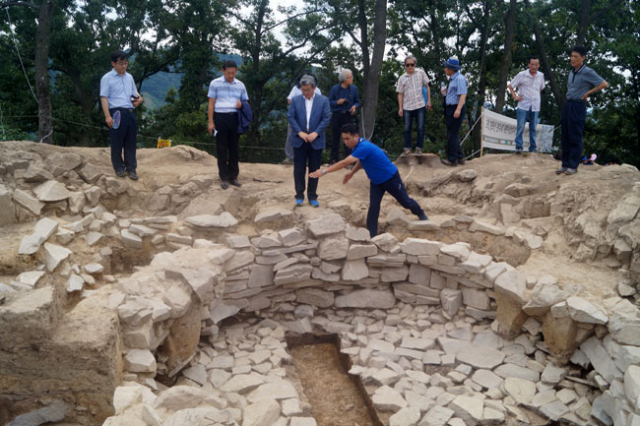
(177, 48)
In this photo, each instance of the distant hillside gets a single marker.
(155, 88)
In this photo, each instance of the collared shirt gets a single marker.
(350, 94)
(295, 91)
(226, 94)
(308, 106)
(457, 87)
(374, 161)
(529, 87)
(118, 89)
(410, 85)
(581, 82)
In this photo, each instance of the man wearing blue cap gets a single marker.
(455, 97)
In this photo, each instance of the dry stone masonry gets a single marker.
(438, 333)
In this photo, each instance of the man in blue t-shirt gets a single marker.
(382, 173)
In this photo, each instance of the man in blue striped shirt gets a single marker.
(456, 95)
(226, 94)
(119, 97)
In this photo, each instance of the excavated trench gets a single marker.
(306, 314)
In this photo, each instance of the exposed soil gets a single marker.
(334, 397)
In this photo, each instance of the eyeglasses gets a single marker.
(122, 63)
(409, 65)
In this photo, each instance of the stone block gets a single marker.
(333, 249)
(371, 299)
(420, 247)
(315, 297)
(28, 201)
(355, 270)
(451, 300)
(261, 276)
(52, 191)
(360, 251)
(7, 208)
(326, 225)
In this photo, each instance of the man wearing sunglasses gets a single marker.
(411, 102)
(119, 98)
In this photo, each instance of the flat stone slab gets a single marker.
(224, 220)
(372, 299)
(482, 357)
(52, 191)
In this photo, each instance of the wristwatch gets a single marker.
(324, 171)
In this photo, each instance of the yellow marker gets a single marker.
(164, 143)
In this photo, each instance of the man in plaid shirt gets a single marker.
(529, 84)
(411, 102)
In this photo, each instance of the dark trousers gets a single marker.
(124, 138)
(227, 145)
(454, 150)
(574, 114)
(395, 187)
(339, 119)
(303, 156)
(409, 116)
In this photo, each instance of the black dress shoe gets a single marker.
(133, 176)
(447, 162)
(235, 182)
(224, 184)
(121, 173)
(461, 161)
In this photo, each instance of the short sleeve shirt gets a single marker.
(226, 94)
(529, 87)
(457, 87)
(410, 85)
(118, 89)
(581, 82)
(374, 161)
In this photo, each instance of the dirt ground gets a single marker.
(335, 399)
(595, 189)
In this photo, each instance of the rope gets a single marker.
(20, 56)
(45, 137)
(470, 130)
(4, 133)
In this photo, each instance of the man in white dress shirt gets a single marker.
(530, 84)
(119, 98)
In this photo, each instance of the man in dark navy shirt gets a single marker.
(382, 173)
(344, 101)
(582, 82)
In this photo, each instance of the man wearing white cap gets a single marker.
(455, 96)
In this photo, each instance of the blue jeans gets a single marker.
(532, 117)
(574, 115)
(395, 187)
(408, 118)
(124, 138)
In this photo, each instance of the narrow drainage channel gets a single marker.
(336, 397)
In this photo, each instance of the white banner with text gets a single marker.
(499, 132)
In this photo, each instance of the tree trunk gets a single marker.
(433, 24)
(544, 61)
(482, 84)
(506, 60)
(43, 93)
(373, 69)
(583, 25)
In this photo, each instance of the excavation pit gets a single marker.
(182, 309)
